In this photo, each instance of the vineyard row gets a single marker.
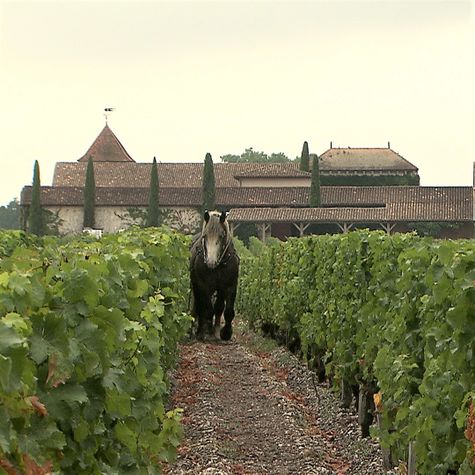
(88, 330)
(391, 317)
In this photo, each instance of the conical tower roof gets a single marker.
(107, 148)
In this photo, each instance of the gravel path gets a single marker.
(254, 412)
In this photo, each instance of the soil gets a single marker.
(251, 408)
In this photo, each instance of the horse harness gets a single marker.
(226, 255)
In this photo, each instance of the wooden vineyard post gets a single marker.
(365, 410)
(386, 453)
(315, 362)
(346, 395)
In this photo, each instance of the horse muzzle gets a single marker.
(211, 263)
(211, 255)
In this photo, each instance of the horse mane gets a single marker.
(214, 225)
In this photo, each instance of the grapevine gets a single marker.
(392, 313)
(88, 330)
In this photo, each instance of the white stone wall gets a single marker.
(71, 218)
(112, 219)
(185, 220)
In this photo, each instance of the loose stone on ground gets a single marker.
(253, 412)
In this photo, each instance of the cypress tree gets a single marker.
(305, 158)
(209, 184)
(153, 215)
(35, 217)
(315, 199)
(89, 196)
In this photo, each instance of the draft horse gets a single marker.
(214, 270)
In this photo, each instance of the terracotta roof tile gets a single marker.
(106, 148)
(130, 174)
(401, 204)
(274, 170)
(396, 202)
(73, 196)
(364, 159)
(305, 214)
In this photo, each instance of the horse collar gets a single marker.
(223, 255)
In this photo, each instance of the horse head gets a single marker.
(215, 237)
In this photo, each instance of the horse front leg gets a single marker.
(227, 330)
(204, 310)
(218, 311)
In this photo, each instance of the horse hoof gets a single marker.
(226, 333)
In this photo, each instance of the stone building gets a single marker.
(367, 166)
(274, 197)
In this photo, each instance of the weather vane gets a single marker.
(107, 112)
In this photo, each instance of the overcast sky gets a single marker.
(192, 77)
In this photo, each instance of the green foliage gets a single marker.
(433, 229)
(315, 199)
(256, 246)
(253, 156)
(305, 158)
(395, 311)
(368, 180)
(12, 239)
(88, 332)
(245, 231)
(241, 248)
(89, 196)
(35, 217)
(208, 184)
(10, 215)
(153, 211)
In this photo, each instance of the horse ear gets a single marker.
(222, 218)
(206, 216)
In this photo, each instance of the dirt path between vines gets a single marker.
(248, 411)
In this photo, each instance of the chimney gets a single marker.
(331, 144)
(389, 144)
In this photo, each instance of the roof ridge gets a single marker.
(359, 148)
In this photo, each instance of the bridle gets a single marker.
(221, 259)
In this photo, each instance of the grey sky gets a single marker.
(191, 77)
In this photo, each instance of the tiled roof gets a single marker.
(364, 159)
(137, 175)
(393, 212)
(274, 170)
(392, 202)
(73, 196)
(107, 148)
(267, 215)
(183, 175)
(401, 204)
